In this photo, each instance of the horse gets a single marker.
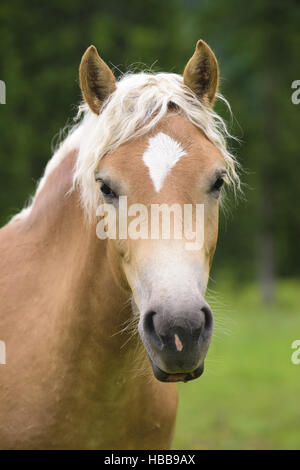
(98, 330)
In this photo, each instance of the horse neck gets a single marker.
(86, 298)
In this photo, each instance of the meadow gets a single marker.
(249, 394)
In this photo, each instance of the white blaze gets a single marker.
(161, 155)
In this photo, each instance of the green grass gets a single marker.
(249, 394)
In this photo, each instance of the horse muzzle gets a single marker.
(177, 343)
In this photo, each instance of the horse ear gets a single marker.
(201, 73)
(97, 81)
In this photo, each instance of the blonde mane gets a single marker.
(138, 104)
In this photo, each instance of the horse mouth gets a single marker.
(178, 377)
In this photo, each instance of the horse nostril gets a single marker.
(149, 329)
(208, 317)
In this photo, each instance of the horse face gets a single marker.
(174, 166)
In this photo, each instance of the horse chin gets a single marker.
(178, 377)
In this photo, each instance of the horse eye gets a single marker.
(107, 191)
(218, 184)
